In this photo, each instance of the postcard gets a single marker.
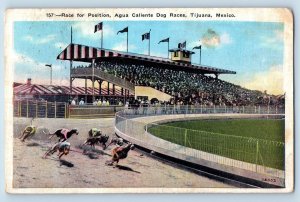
(149, 100)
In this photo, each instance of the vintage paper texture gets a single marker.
(12, 145)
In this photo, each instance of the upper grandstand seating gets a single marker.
(185, 87)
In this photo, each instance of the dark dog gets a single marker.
(64, 134)
(97, 140)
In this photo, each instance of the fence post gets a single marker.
(257, 150)
(243, 109)
(55, 109)
(276, 110)
(27, 109)
(69, 110)
(65, 110)
(46, 112)
(201, 109)
(185, 136)
(36, 109)
(214, 108)
(146, 128)
(19, 107)
(259, 109)
(225, 109)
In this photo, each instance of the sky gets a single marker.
(253, 49)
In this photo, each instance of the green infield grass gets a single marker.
(257, 141)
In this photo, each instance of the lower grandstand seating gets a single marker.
(188, 88)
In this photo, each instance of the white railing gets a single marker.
(240, 152)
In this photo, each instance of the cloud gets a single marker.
(271, 80)
(86, 29)
(123, 47)
(41, 40)
(275, 41)
(225, 38)
(211, 39)
(26, 67)
(60, 45)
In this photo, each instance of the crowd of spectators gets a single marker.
(188, 88)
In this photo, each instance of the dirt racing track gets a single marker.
(77, 170)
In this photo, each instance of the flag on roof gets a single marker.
(197, 47)
(164, 40)
(146, 36)
(182, 45)
(123, 30)
(98, 27)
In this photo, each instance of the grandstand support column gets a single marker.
(122, 91)
(125, 97)
(217, 76)
(114, 89)
(100, 86)
(85, 89)
(107, 88)
(93, 79)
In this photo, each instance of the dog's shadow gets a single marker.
(66, 163)
(127, 169)
(88, 149)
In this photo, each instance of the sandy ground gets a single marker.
(90, 171)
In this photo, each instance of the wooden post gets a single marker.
(46, 112)
(185, 136)
(257, 150)
(36, 109)
(27, 108)
(85, 88)
(65, 110)
(19, 106)
(55, 109)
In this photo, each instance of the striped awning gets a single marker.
(36, 89)
(82, 53)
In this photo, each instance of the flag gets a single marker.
(164, 40)
(98, 27)
(182, 45)
(197, 47)
(146, 36)
(48, 65)
(123, 30)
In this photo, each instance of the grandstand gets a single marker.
(185, 82)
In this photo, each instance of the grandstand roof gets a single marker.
(182, 50)
(82, 53)
(36, 89)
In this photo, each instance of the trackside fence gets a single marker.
(40, 109)
(256, 155)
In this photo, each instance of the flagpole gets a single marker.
(102, 37)
(127, 40)
(71, 64)
(149, 43)
(200, 55)
(168, 48)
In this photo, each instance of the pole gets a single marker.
(127, 41)
(102, 38)
(200, 55)
(71, 64)
(50, 75)
(149, 43)
(93, 79)
(257, 150)
(168, 48)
